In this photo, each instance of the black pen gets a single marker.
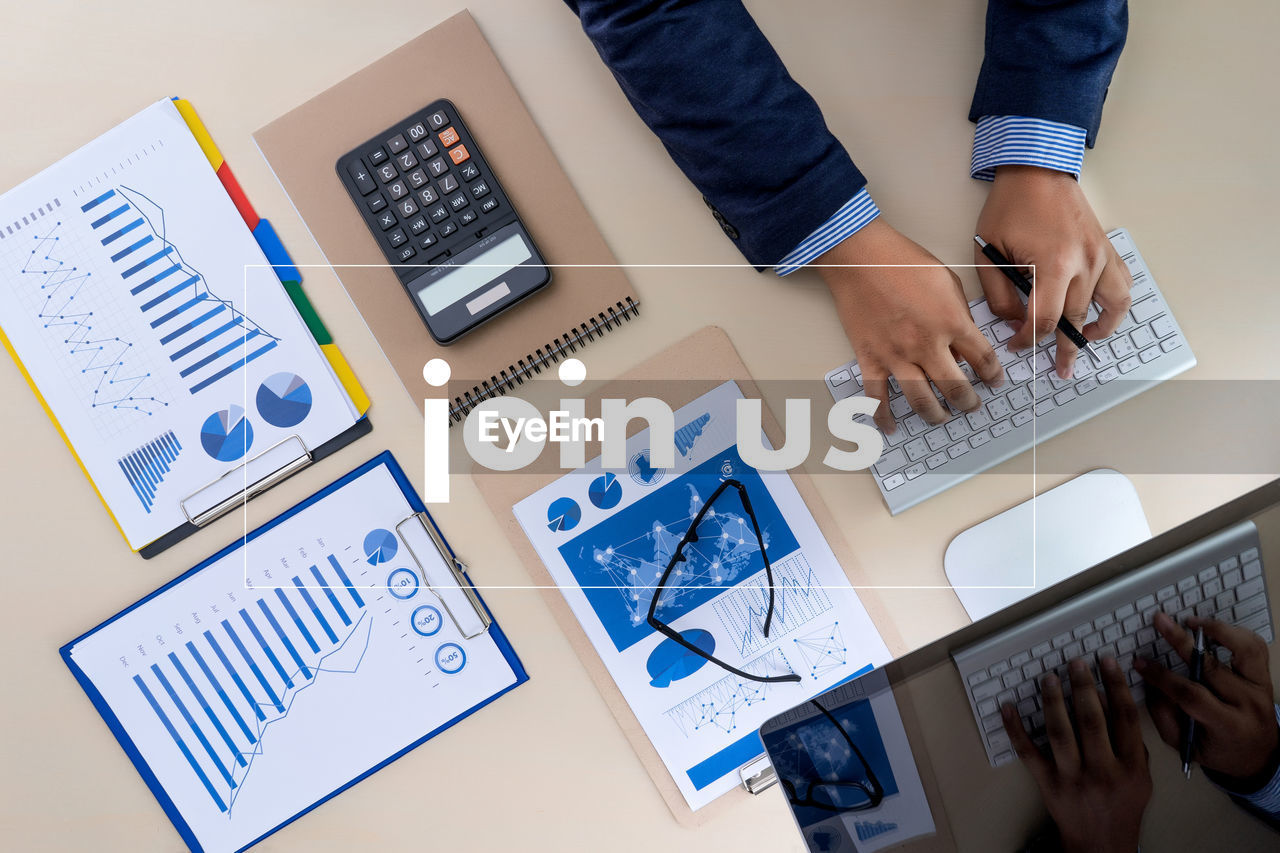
(1197, 676)
(1020, 281)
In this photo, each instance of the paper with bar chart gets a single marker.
(129, 294)
(607, 538)
(286, 668)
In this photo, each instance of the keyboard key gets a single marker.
(1231, 578)
(1020, 658)
(417, 178)
(1186, 584)
(992, 722)
(1022, 418)
(1229, 564)
(1149, 354)
(1225, 600)
(1092, 642)
(1145, 310)
(1212, 587)
(937, 460)
(1012, 678)
(428, 195)
(1107, 375)
(377, 157)
(406, 253)
(1164, 326)
(998, 408)
(363, 180)
(1082, 631)
(437, 119)
(915, 470)
(1170, 345)
(987, 706)
(937, 439)
(406, 208)
(426, 241)
(386, 220)
(1042, 362)
(377, 203)
(397, 143)
(840, 377)
(406, 161)
(387, 173)
(1129, 364)
(1249, 588)
(1192, 597)
(448, 184)
(916, 449)
(418, 225)
(1112, 633)
(416, 132)
(1252, 569)
(1208, 574)
(1146, 636)
(396, 238)
(437, 167)
(892, 482)
(915, 425)
(981, 313)
(979, 439)
(397, 189)
(1019, 372)
(1065, 396)
(448, 136)
(1002, 330)
(1248, 607)
(448, 228)
(1043, 407)
(1122, 347)
(1249, 556)
(1000, 667)
(957, 429)
(468, 217)
(1061, 640)
(427, 149)
(1142, 337)
(469, 172)
(978, 420)
(439, 213)
(1019, 398)
(1104, 621)
(1028, 690)
(955, 451)
(1026, 707)
(1000, 429)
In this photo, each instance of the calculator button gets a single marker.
(459, 154)
(397, 238)
(470, 172)
(397, 143)
(406, 252)
(417, 178)
(437, 119)
(417, 132)
(427, 150)
(437, 167)
(387, 172)
(448, 184)
(479, 189)
(407, 208)
(397, 189)
(458, 201)
(489, 206)
(377, 157)
(406, 160)
(418, 225)
(426, 241)
(386, 219)
(377, 203)
(468, 217)
(448, 136)
(364, 181)
(448, 228)
(439, 213)
(428, 195)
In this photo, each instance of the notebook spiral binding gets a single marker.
(544, 356)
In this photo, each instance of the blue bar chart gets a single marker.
(145, 467)
(205, 337)
(218, 694)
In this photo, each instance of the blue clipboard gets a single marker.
(383, 459)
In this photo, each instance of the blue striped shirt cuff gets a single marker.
(1010, 140)
(1267, 798)
(849, 219)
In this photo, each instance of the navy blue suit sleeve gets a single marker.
(706, 80)
(1050, 59)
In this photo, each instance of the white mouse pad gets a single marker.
(1045, 540)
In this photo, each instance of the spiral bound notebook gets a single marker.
(584, 301)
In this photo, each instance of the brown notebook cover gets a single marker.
(678, 376)
(453, 61)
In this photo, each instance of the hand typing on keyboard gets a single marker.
(1041, 217)
(1094, 778)
(1239, 739)
(907, 323)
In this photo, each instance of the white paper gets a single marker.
(126, 292)
(702, 719)
(398, 671)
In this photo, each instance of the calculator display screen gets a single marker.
(474, 274)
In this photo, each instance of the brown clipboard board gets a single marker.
(677, 376)
(589, 295)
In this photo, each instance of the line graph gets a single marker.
(798, 599)
(205, 337)
(264, 644)
(716, 707)
(107, 360)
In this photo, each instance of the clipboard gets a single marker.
(678, 375)
(291, 454)
(481, 612)
(589, 297)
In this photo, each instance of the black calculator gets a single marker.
(449, 230)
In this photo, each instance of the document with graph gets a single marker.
(284, 669)
(606, 537)
(143, 312)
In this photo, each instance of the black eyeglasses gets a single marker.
(839, 796)
(678, 557)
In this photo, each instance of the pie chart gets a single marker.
(605, 491)
(563, 514)
(284, 400)
(227, 435)
(380, 546)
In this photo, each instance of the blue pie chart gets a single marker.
(563, 514)
(284, 400)
(380, 546)
(605, 491)
(227, 435)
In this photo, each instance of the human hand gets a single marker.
(1041, 217)
(911, 323)
(1095, 784)
(1234, 709)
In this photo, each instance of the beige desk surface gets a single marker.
(1185, 160)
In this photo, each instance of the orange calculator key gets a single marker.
(448, 136)
(460, 154)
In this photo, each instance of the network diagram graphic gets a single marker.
(716, 708)
(823, 650)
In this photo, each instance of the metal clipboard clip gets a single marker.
(219, 496)
(758, 775)
(422, 522)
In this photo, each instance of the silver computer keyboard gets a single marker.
(1219, 577)
(919, 460)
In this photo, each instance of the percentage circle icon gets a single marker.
(450, 658)
(402, 584)
(426, 620)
